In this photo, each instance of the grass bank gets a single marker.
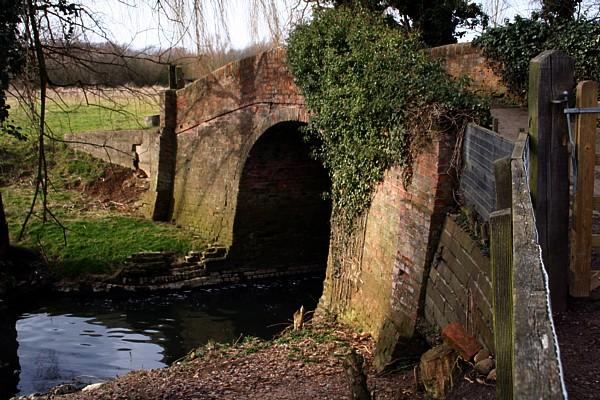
(98, 236)
(97, 240)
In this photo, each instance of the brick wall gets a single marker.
(219, 119)
(376, 278)
(459, 288)
(464, 59)
(261, 79)
(159, 198)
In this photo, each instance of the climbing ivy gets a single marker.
(375, 98)
(512, 46)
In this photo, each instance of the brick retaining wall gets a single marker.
(459, 288)
(464, 59)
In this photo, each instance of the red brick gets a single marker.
(457, 336)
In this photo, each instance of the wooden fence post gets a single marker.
(581, 251)
(503, 183)
(501, 260)
(550, 75)
(172, 76)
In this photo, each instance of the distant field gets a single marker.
(76, 110)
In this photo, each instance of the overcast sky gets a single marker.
(138, 24)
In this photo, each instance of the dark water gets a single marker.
(89, 340)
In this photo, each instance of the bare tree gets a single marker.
(496, 11)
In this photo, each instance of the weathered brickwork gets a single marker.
(215, 169)
(159, 198)
(258, 80)
(459, 288)
(464, 59)
(382, 283)
(281, 216)
(219, 119)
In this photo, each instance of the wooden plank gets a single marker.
(596, 202)
(503, 183)
(502, 282)
(595, 240)
(584, 202)
(537, 371)
(597, 159)
(550, 74)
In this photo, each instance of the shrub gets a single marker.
(374, 96)
(511, 47)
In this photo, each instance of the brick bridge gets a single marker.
(230, 162)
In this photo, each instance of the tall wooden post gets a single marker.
(172, 76)
(581, 252)
(551, 74)
(502, 282)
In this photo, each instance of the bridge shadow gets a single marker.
(9, 360)
(282, 216)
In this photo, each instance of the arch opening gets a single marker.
(282, 216)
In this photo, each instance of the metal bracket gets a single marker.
(576, 111)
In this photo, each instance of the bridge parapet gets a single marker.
(257, 80)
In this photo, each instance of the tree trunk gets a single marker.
(4, 240)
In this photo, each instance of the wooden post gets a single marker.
(581, 251)
(550, 75)
(502, 281)
(4, 238)
(172, 76)
(503, 183)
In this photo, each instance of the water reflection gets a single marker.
(89, 340)
(54, 349)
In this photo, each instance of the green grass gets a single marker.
(78, 111)
(97, 241)
(18, 162)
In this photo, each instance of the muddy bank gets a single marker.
(305, 364)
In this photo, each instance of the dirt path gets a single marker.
(578, 332)
(306, 364)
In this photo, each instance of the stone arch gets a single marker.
(281, 217)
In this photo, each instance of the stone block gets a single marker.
(437, 370)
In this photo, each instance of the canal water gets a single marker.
(86, 340)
